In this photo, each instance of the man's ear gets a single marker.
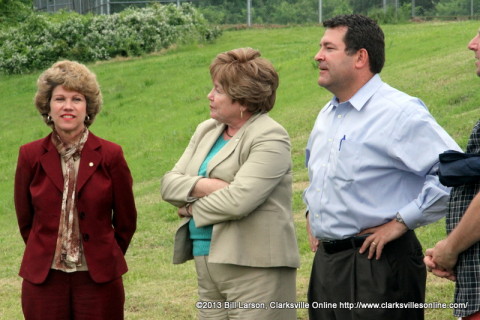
(362, 58)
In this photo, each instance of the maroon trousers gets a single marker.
(73, 296)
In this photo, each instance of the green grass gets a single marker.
(153, 104)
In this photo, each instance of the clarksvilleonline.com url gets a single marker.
(327, 305)
(388, 305)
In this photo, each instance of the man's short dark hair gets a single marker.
(363, 32)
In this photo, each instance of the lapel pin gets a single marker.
(90, 164)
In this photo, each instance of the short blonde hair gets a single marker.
(246, 78)
(73, 76)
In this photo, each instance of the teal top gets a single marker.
(202, 236)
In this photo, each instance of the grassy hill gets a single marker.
(153, 104)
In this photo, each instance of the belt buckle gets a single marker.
(329, 246)
(334, 246)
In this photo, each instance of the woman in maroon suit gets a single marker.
(74, 204)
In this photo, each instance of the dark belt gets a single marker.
(335, 246)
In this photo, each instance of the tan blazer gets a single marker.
(252, 218)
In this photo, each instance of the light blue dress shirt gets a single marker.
(371, 157)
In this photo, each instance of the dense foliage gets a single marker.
(13, 11)
(30, 40)
(289, 11)
(43, 39)
(307, 11)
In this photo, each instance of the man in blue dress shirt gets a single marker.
(372, 161)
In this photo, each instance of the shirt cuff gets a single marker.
(411, 215)
(194, 182)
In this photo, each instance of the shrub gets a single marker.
(43, 39)
(391, 15)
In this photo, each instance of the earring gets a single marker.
(87, 118)
(49, 118)
(241, 114)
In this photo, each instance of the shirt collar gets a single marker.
(361, 97)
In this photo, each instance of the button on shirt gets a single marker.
(371, 157)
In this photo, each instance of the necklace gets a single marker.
(226, 132)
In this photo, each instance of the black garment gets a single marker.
(348, 286)
(458, 168)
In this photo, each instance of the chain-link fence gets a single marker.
(287, 11)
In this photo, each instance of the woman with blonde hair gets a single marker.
(233, 188)
(74, 204)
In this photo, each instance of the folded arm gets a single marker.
(267, 164)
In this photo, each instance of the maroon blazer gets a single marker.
(105, 204)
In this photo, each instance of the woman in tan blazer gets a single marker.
(233, 188)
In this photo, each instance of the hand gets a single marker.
(183, 212)
(428, 260)
(445, 274)
(433, 268)
(380, 236)
(443, 257)
(311, 238)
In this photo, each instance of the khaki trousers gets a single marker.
(238, 292)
